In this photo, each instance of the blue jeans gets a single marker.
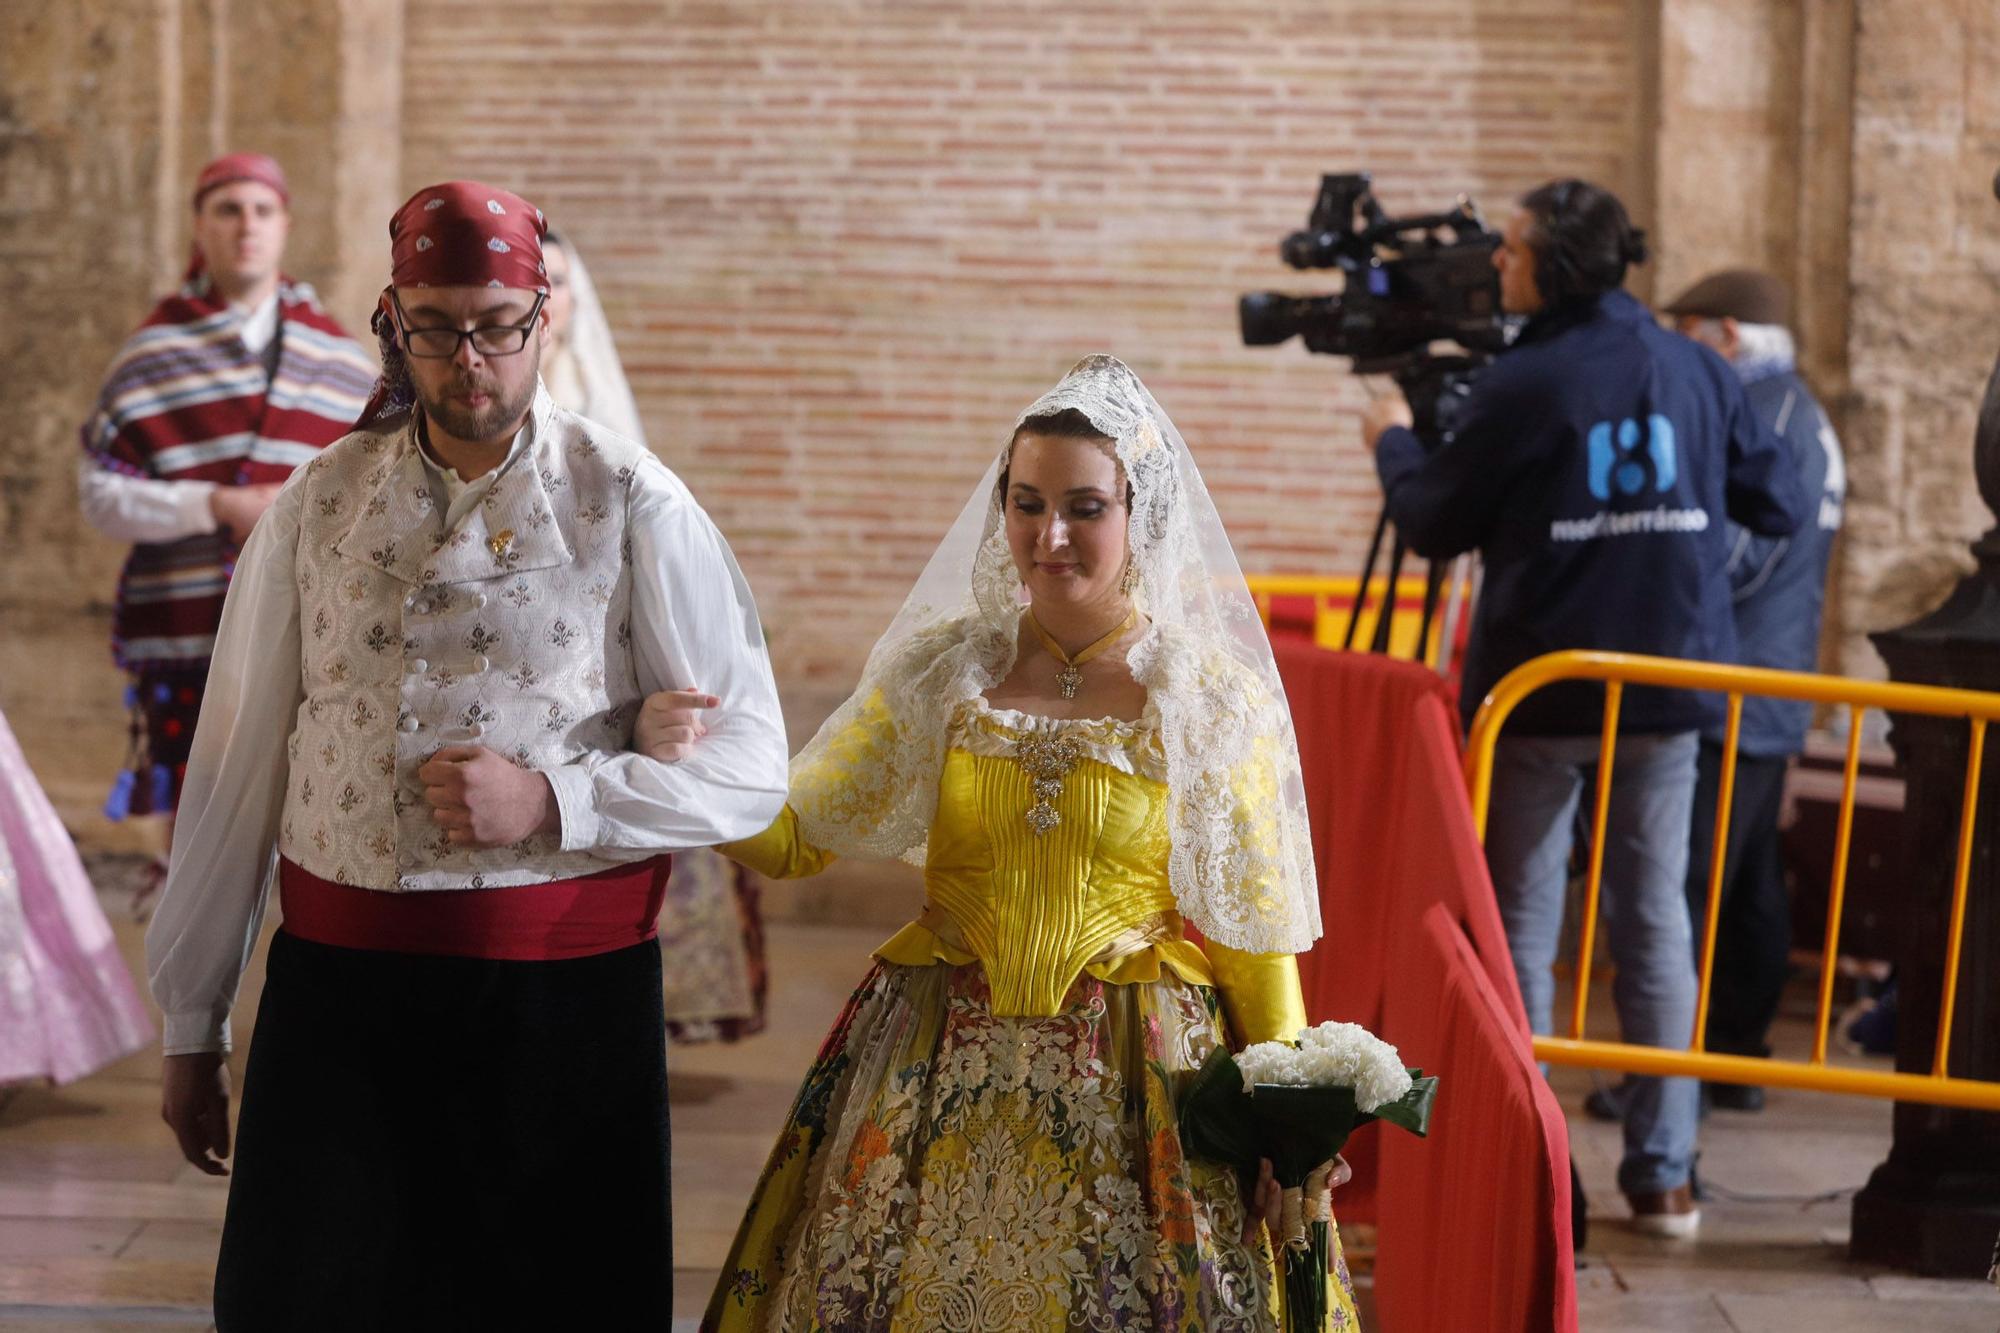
(1537, 784)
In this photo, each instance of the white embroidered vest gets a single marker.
(511, 632)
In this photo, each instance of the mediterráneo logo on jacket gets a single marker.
(1625, 460)
(1619, 467)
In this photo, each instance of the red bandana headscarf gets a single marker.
(458, 234)
(233, 167)
(464, 234)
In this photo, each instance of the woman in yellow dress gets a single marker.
(1076, 727)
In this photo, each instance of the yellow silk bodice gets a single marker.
(1039, 908)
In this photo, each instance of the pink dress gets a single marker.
(67, 1004)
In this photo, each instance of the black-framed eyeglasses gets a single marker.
(490, 340)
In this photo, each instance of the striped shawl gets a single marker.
(186, 400)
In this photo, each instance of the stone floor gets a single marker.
(102, 1227)
(1771, 1256)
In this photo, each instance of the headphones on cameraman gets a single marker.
(1562, 244)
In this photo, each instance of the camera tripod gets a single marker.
(1460, 575)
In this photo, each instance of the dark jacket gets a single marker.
(1779, 583)
(1592, 468)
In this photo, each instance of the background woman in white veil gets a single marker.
(582, 370)
(1075, 724)
(710, 929)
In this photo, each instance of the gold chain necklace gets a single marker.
(1070, 678)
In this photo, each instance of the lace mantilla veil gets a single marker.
(1241, 867)
(592, 383)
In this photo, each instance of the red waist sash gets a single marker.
(565, 918)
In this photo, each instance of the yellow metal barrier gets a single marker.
(1616, 671)
(1333, 600)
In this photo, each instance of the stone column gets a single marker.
(89, 176)
(110, 108)
(1752, 151)
(1934, 1205)
(1923, 283)
(1753, 166)
(335, 120)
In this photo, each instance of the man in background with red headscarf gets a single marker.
(229, 384)
(422, 702)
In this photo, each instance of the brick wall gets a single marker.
(842, 245)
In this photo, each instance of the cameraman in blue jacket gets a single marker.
(1592, 467)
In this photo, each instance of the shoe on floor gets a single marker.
(1670, 1213)
(1745, 1097)
(1608, 1102)
(1873, 1029)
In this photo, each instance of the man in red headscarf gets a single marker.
(422, 702)
(229, 384)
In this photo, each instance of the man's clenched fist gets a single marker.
(483, 800)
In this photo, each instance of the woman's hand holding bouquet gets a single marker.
(1279, 1112)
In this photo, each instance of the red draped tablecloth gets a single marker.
(1392, 827)
(1474, 1221)
(1392, 834)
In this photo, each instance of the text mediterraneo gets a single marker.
(1624, 459)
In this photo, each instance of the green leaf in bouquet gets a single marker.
(1216, 1118)
(1411, 1111)
(1297, 1128)
(1302, 1127)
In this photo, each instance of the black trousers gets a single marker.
(450, 1143)
(1754, 937)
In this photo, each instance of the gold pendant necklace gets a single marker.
(1070, 679)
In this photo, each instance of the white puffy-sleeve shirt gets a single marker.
(694, 624)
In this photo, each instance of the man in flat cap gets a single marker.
(1777, 587)
(230, 383)
(454, 1113)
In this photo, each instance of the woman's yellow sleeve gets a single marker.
(825, 780)
(1260, 993)
(779, 852)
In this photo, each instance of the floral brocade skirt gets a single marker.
(945, 1169)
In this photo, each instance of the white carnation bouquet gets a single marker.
(1296, 1103)
(1331, 1055)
